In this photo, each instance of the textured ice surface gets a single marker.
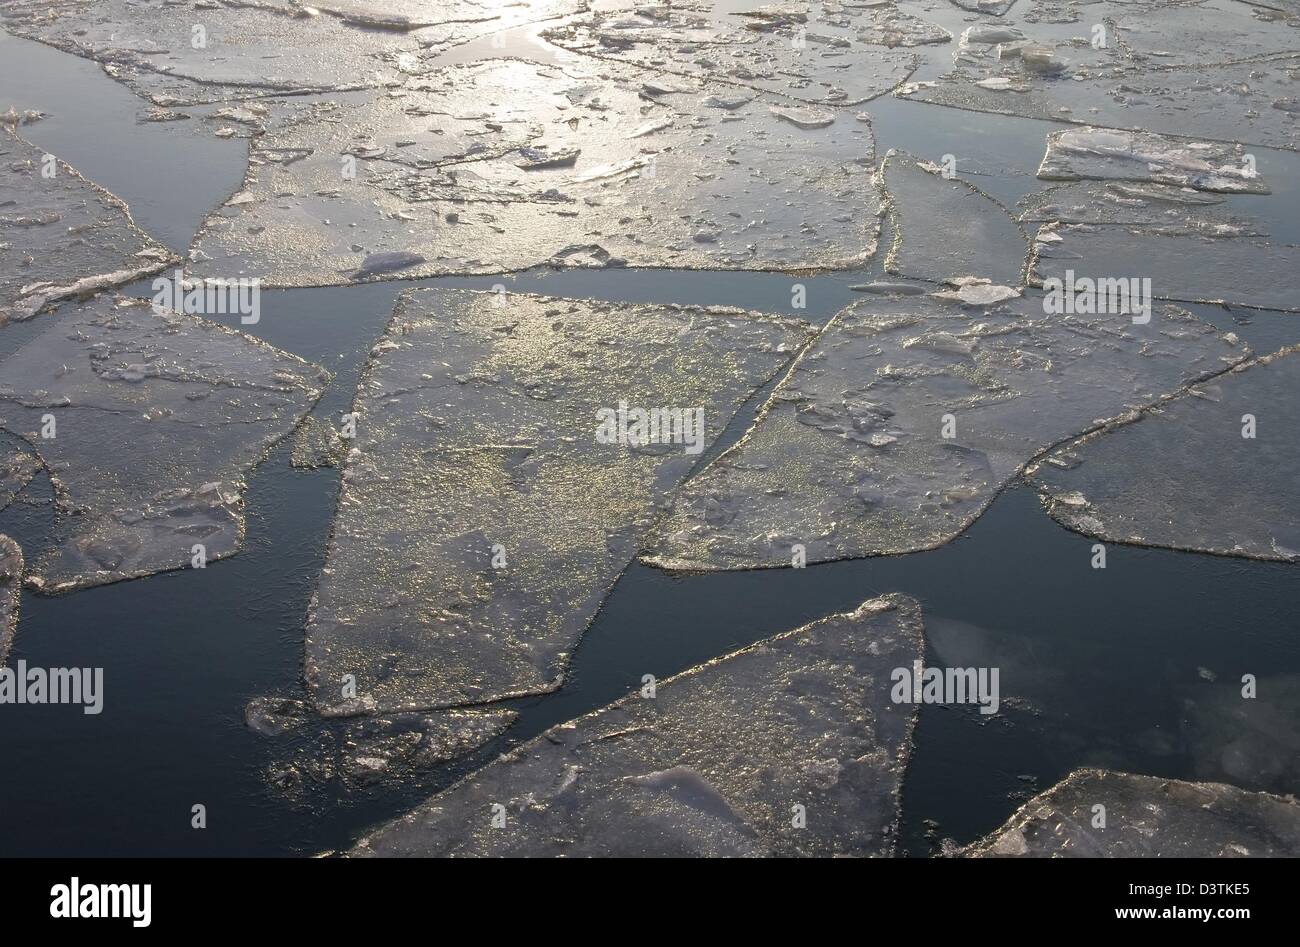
(1252, 742)
(16, 471)
(480, 521)
(1187, 264)
(155, 418)
(1147, 817)
(316, 444)
(62, 236)
(504, 165)
(1145, 479)
(716, 763)
(11, 578)
(825, 53)
(848, 458)
(945, 228)
(1148, 205)
(1107, 154)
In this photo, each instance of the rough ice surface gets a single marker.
(1250, 742)
(154, 419)
(824, 53)
(718, 762)
(62, 236)
(945, 228)
(1144, 479)
(1187, 264)
(1146, 817)
(1218, 66)
(1138, 204)
(848, 458)
(1106, 154)
(11, 578)
(316, 444)
(481, 522)
(16, 471)
(504, 165)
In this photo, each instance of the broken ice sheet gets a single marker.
(945, 228)
(1108, 154)
(11, 578)
(1139, 204)
(154, 418)
(1185, 264)
(848, 458)
(60, 235)
(720, 761)
(1146, 817)
(505, 165)
(16, 471)
(317, 444)
(481, 522)
(811, 51)
(1144, 480)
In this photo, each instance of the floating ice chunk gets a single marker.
(484, 512)
(17, 468)
(316, 444)
(1252, 478)
(969, 400)
(673, 774)
(971, 291)
(455, 157)
(153, 418)
(275, 716)
(1146, 817)
(389, 261)
(803, 118)
(1138, 204)
(991, 7)
(945, 228)
(1107, 154)
(60, 235)
(11, 577)
(886, 25)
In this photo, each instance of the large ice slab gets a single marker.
(17, 468)
(1161, 206)
(723, 760)
(11, 578)
(821, 53)
(60, 235)
(147, 421)
(1146, 817)
(945, 228)
(488, 505)
(504, 165)
(1143, 479)
(849, 457)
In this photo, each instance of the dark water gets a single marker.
(1095, 664)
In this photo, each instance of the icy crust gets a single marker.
(62, 237)
(1144, 479)
(1146, 817)
(481, 521)
(717, 762)
(17, 468)
(316, 444)
(1107, 154)
(504, 165)
(154, 419)
(848, 458)
(1230, 65)
(11, 577)
(819, 53)
(1162, 206)
(945, 228)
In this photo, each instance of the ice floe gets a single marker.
(1099, 813)
(1107, 154)
(792, 746)
(17, 468)
(147, 421)
(11, 578)
(493, 493)
(60, 235)
(505, 164)
(1144, 479)
(896, 428)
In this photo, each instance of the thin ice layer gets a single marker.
(849, 457)
(505, 165)
(726, 759)
(1250, 741)
(147, 421)
(945, 228)
(1184, 264)
(1106, 154)
(1146, 817)
(60, 235)
(1139, 204)
(1144, 480)
(482, 517)
(821, 53)
(11, 578)
(17, 468)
